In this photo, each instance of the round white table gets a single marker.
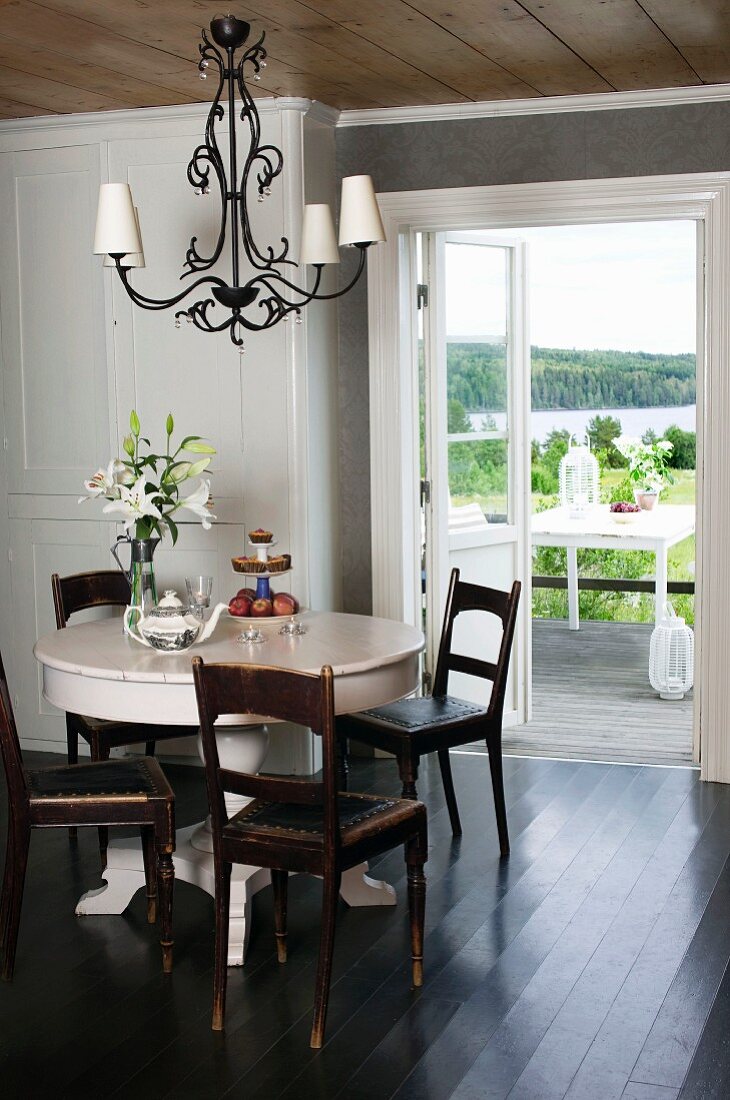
(94, 669)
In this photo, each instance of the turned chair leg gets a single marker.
(220, 978)
(72, 744)
(279, 882)
(7, 885)
(165, 887)
(330, 894)
(416, 909)
(100, 752)
(408, 769)
(494, 747)
(14, 881)
(448, 782)
(149, 748)
(150, 871)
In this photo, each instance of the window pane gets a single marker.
(476, 378)
(478, 483)
(476, 290)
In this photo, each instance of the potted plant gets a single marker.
(648, 467)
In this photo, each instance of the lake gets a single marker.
(633, 421)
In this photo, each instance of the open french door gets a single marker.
(476, 466)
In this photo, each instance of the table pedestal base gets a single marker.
(124, 875)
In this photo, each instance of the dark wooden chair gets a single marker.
(298, 824)
(111, 792)
(412, 728)
(78, 592)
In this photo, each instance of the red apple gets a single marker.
(240, 606)
(284, 604)
(249, 593)
(260, 609)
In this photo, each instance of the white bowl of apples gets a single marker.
(281, 608)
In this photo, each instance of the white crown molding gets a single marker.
(598, 101)
(152, 116)
(320, 112)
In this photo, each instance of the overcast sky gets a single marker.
(629, 287)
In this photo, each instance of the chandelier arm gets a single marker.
(198, 315)
(343, 290)
(272, 165)
(198, 171)
(306, 295)
(313, 294)
(161, 303)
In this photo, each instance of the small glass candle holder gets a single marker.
(200, 589)
(251, 636)
(293, 629)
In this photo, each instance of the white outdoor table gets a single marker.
(656, 531)
(94, 669)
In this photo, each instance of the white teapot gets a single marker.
(170, 627)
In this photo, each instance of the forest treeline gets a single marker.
(572, 379)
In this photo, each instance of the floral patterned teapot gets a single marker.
(170, 627)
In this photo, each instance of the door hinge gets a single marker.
(425, 491)
(421, 295)
(10, 555)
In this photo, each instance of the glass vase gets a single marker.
(142, 578)
(141, 572)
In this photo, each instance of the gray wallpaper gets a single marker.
(478, 152)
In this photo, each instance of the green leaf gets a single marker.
(129, 445)
(198, 447)
(196, 468)
(134, 422)
(170, 425)
(173, 529)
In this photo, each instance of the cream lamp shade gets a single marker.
(132, 259)
(319, 243)
(116, 225)
(360, 221)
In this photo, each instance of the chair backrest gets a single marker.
(475, 597)
(279, 693)
(102, 588)
(10, 749)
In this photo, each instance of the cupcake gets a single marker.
(248, 565)
(259, 535)
(277, 564)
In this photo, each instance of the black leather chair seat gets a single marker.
(413, 715)
(260, 816)
(106, 777)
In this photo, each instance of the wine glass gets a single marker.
(200, 589)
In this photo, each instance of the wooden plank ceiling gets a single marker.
(58, 56)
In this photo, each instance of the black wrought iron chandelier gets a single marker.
(267, 296)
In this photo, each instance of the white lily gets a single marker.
(199, 503)
(134, 503)
(104, 483)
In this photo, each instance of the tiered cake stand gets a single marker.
(263, 586)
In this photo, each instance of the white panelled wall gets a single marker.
(77, 356)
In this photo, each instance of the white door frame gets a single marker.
(394, 467)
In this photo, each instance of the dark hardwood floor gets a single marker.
(592, 963)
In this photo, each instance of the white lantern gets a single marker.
(671, 656)
(578, 478)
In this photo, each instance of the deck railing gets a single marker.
(614, 584)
